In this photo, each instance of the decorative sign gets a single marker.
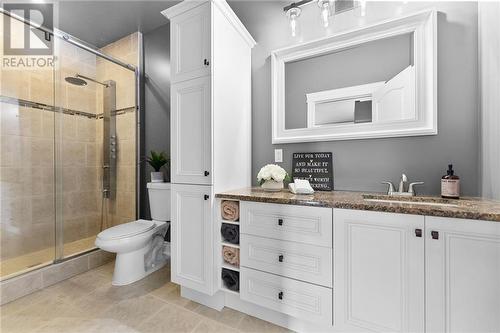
(316, 168)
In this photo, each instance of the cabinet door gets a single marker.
(378, 272)
(462, 275)
(190, 41)
(192, 237)
(190, 132)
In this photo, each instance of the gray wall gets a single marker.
(157, 101)
(362, 164)
(375, 61)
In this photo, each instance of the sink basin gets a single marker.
(424, 201)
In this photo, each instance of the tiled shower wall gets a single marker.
(27, 162)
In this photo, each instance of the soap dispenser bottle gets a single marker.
(450, 184)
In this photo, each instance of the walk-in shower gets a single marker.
(68, 150)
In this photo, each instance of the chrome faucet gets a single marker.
(403, 189)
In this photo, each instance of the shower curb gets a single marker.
(22, 285)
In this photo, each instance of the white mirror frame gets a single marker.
(422, 24)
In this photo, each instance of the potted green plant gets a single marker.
(157, 161)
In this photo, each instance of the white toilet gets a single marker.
(133, 241)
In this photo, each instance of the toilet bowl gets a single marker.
(133, 242)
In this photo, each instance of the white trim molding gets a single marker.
(423, 26)
(489, 86)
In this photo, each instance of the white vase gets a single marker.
(272, 185)
(157, 177)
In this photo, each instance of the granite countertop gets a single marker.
(465, 208)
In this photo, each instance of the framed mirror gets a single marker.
(377, 81)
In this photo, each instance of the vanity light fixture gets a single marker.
(327, 8)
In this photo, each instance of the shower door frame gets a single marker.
(59, 222)
(139, 115)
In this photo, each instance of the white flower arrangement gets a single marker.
(272, 172)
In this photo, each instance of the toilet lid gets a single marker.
(127, 229)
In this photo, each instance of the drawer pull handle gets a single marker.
(206, 173)
(280, 295)
(435, 234)
(206, 196)
(280, 221)
(280, 258)
(418, 232)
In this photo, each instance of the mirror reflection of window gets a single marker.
(368, 83)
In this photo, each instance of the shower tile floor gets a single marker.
(88, 303)
(17, 265)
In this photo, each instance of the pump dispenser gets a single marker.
(450, 184)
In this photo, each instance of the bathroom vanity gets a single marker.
(348, 262)
(331, 261)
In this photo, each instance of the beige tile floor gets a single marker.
(88, 303)
(21, 264)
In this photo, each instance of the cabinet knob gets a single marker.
(206, 173)
(280, 221)
(418, 232)
(280, 258)
(206, 62)
(206, 197)
(280, 295)
(435, 234)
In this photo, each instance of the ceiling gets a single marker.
(102, 22)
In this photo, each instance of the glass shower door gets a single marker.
(26, 160)
(77, 164)
(95, 144)
(68, 151)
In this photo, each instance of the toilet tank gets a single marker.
(159, 201)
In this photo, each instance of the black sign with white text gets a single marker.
(317, 168)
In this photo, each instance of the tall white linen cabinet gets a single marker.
(210, 129)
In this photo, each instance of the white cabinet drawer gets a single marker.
(294, 298)
(311, 225)
(295, 260)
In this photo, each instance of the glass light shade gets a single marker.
(362, 5)
(293, 15)
(326, 8)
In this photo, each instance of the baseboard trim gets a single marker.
(215, 302)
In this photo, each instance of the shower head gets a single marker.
(76, 81)
(81, 80)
